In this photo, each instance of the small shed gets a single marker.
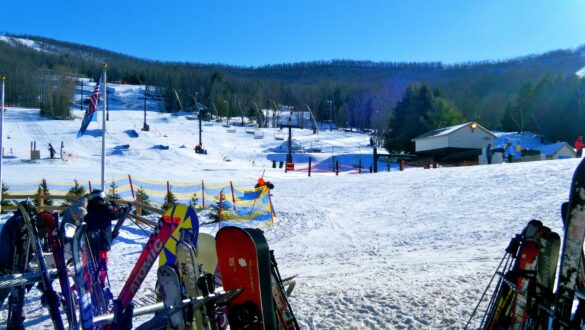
(455, 143)
(559, 150)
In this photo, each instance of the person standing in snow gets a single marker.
(51, 151)
(579, 146)
(510, 152)
(99, 227)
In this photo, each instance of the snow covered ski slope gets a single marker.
(398, 250)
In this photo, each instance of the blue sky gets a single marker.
(262, 32)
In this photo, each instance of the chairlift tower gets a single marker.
(145, 127)
(290, 165)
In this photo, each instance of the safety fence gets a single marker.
(337, 167)
(231, 201)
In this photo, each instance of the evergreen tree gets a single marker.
(169, 201)
(44, 190)
(113, 191)
(142, 197)
(5, 196)
(420, 110)
(57, 94)
(194, 200)
(217, 211)
(77, 191)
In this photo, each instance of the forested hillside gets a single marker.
(534, 92)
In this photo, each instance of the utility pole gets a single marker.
(200, 115)
(145, 126)
(330, 114)
(81, 101)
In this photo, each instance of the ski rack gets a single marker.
(43, 207)
(219, 297)
(30, 277)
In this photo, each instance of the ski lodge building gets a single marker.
(455, 144)
(468, 144)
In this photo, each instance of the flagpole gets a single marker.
(105, 67)
(2, 79)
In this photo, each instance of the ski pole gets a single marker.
(485, 291)
(136, 223)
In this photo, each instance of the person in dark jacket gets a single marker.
(51, 151)
(262, 183)
(99, 226)
(11, 237)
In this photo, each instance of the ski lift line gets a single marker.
(178, 99)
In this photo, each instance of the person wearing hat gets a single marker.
(99, 227)
(261, 183)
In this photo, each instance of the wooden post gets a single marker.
(202, 194)
(375, 160)
(41, 200)
(272, 213)
(131, 186)
(402, 165)
(89, 184)
(233, 196)
(309, 166)
(219, 206)
(139, 208)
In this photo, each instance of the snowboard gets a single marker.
(207, 258)
(572, 249)
(52, 297)
(188, 221)
(549, 244)
(170, 289)
(581, 276)
(244, 262)
(207, 254)
(189, 275)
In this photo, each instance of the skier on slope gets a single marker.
(52, 151)
(99, 227)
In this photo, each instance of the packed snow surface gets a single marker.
(392, 250)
